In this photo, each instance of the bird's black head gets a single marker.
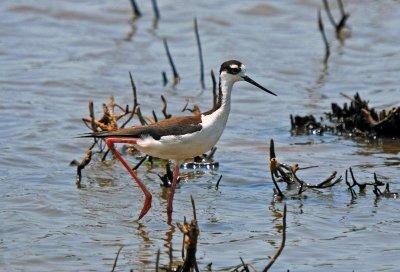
(232, 67)
(233, 70)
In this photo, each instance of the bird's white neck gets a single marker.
(218, 116)
(224, 96)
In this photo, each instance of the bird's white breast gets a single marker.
(180, 147)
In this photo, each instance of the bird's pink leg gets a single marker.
(171, 195)
(110, 143)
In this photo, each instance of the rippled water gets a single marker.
(57, 55)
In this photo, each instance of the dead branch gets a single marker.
(196, 31)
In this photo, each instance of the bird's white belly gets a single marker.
(181, 147)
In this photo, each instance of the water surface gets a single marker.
(57, 55)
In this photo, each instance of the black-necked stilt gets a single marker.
(180, 138)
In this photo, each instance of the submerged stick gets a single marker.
(280, 249)
(196, 31)
(171, 62)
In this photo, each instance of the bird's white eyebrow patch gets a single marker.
(233, 66)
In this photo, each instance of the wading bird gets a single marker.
(180, 138)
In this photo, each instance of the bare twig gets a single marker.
(171, 62)
(155, 117)
(246, 268)
(164, 109)
(92, 117)
(196, 31)
(217, 185)
(140, 162)
(279, 251)
(140, 116)
(193, 207)
(116, 259)
(135, 102)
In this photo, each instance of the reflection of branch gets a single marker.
(155, 10)
(328, 12)
(157, 260)
(322, 31)
(279, 251)
(342, 22)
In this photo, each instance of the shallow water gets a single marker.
(57, 55)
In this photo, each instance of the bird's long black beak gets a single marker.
(249, 80)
